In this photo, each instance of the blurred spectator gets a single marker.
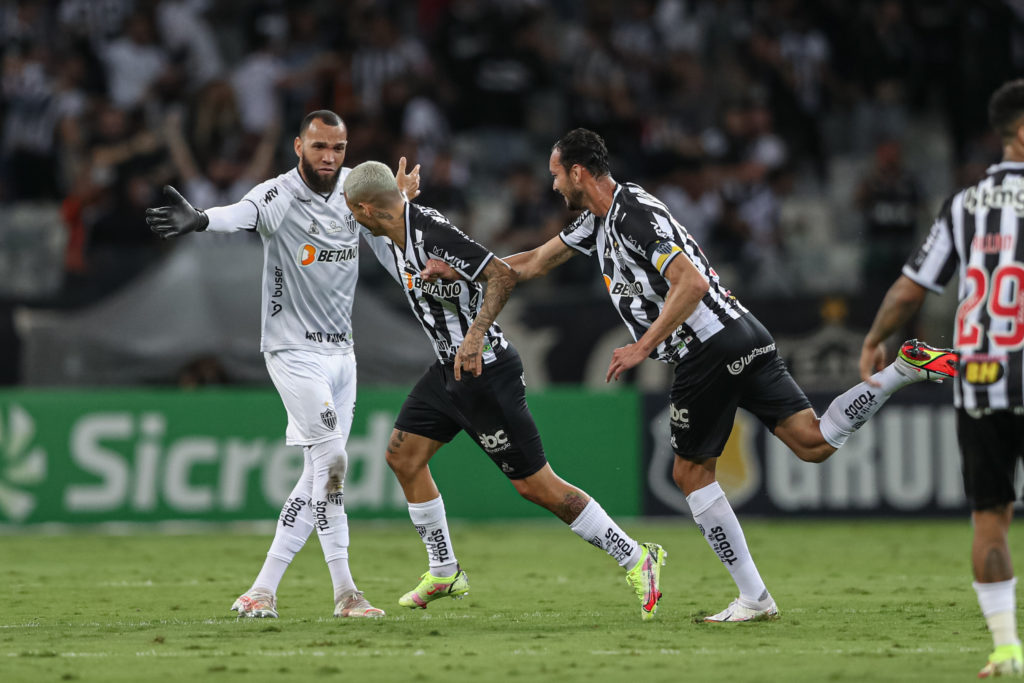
(188, 36)
(41, 114)
(97, 21)
(601, 98)
(384, 54)
(444, 188)
(227, 174)
(689, 192)
(137, 65)
(202, 372)
(720, 105)
(535, 214)
(888, 48)
(890, 203)
(257, 78)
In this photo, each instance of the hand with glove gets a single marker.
(177, 219)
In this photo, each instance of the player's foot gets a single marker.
(431, 588)
(353, 604)
(256, 603)
(934, 365)
(741, 610)
(645, 578)
(1006, 660)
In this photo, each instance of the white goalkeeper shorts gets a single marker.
(318, 391)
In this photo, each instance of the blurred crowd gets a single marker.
(725, 109)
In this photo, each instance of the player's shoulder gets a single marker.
(421, 216)
(582, 224)
(280, 189)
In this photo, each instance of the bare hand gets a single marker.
(872, 359)
(408, 183)
(623, 359)
(470, 355)
(437, 269)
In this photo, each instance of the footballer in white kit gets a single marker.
(310, 269)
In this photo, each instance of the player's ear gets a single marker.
(298, 146)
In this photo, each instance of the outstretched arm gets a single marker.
(500, 281)
(177, 218)
(538, 261)
(901, 302)
(686, 288)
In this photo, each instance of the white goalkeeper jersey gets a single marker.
(310, 264)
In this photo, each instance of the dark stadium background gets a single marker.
(805, 144)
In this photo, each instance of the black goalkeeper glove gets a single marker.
(177, 219)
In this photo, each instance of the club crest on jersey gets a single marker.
(313, 229)
(329, 418)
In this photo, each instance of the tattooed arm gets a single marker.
(537, 262)
(500, 281)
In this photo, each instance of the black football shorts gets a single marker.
(990, 446)
(737, 367)
(491, 408)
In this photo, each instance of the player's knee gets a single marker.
(401, 464)
(333, 449)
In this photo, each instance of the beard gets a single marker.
(317, 182)
(574, 199)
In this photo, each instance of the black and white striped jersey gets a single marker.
(977, 235)
(445, 309)
(635, 242)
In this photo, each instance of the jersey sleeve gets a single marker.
(581, 234)
(933, 264)
(651, 235)
(271, 199)
(467, 257)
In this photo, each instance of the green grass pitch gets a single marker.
(860, 601)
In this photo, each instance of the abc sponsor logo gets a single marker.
(309, 254)
(497, 441)
(680, 417)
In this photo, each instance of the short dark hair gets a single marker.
(1006, 107)
(586, 148)
(325, 115)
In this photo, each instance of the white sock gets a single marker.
(293, 528)
(294, 525)
(432, 526)
(329, 516)
(856, 405)
(718, 524)
(998, 602)
(594, 526)
(341, 576)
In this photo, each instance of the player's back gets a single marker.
(978, 234)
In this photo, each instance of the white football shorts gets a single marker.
(318, 391)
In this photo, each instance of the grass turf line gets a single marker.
(879, 601)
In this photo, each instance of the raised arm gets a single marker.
(538, 261)
(500, 281)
